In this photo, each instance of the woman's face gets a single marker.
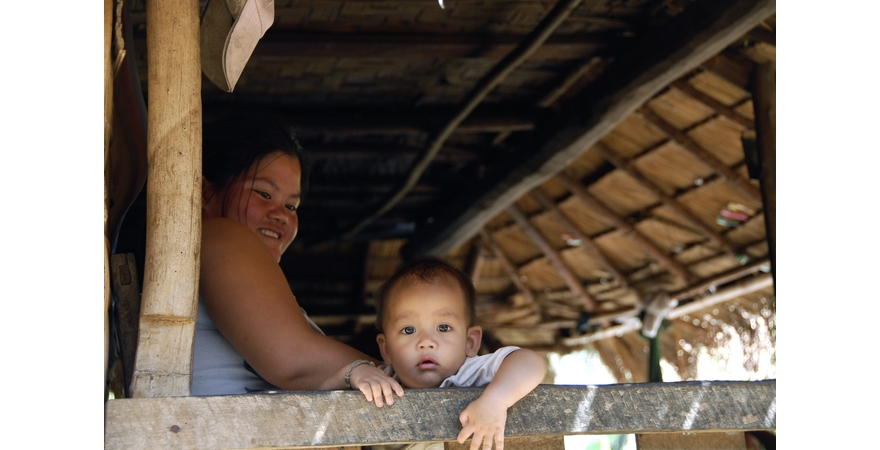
(264, 199)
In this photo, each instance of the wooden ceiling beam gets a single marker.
(741, 184)
(589, 303)
(580, 191)
(359, 121)
(483, 88)
(282, 44)
(724, 110)
(667, 200)
(657, 59)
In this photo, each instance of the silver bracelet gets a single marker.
(351, 368)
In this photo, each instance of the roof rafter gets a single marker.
(701, 31)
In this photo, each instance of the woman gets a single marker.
(251, 334)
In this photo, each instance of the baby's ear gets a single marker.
(380, 339)
(474, 339)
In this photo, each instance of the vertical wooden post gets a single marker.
(108, 115)
(174, 140)
(764, 83)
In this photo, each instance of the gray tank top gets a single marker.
(218, 369)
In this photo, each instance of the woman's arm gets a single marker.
(248, 298)
(519, 373)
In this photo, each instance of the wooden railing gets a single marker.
(662, 415)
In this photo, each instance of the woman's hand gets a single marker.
(375, 384)
(484, 418)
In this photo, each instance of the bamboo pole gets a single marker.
(628, 230)
(474, 264)
(174, 137)
(736, 290)
(508, 266)
(726, 111)
(483, 88)
(573, 283)
(697, 150)
(586, 243)
(765, 118)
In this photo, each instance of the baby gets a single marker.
(428, 338)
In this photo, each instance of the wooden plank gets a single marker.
(765, 121)
(174, 196)
(691, 441)
(655, 61)
(334, 418)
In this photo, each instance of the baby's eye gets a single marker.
(408, 330)
(443, 328)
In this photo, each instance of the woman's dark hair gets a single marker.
(429, 270)
(233, 144)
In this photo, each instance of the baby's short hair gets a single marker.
(428, 269)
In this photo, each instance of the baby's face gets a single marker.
(426, 336)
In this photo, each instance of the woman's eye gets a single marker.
(291, 207)
(443, 328)
(408, 330)
(262, 194)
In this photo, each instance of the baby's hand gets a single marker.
(375, 384)
(485, 420)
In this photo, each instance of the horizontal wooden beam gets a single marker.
(364, 120)
(337, 418)
(287, 44)
(654, 62)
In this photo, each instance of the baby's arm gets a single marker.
(372, 381)
(519, 373)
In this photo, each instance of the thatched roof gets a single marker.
(575, 160)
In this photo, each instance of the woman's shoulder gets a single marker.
(223, 225)
(224, 236)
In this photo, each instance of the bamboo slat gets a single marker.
(174, 138)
